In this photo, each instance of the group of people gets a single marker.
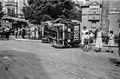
(89, 37)
(31, 32)
(20, 32)
(5, 32)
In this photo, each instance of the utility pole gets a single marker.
(105, 15)
(119, 18)
(101, 15)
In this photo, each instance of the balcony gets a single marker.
(11, 4)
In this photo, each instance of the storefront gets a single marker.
(13, 22)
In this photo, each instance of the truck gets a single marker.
(62, 34)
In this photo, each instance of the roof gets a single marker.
(49, 23)
(90, 3)
(76, 21)
(14, 19)
(58, 25)
(63, 21)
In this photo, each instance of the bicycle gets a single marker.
(87, 45)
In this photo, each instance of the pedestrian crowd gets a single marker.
(89, 37)
(31, 32)
(5, 32)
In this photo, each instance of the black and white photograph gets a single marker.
(59, 39)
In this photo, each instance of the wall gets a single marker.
(114, 16)
(86, 22)
(18, 8)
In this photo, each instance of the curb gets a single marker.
(28, 40)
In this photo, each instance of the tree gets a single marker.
(11, 12)
(41, 10)
(1, 12)
(76, 14)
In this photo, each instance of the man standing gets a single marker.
(7, 32)
(23, 32)
(16, 33)
(83, 34)
(118, 64)
(119, 44)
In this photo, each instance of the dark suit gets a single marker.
(119, 45)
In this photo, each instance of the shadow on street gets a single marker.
(21, 65)
(115, 61)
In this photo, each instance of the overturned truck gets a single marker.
(62, 34)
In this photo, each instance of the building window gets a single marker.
(11, 12)
(93, 24)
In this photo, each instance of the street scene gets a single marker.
(60, 39)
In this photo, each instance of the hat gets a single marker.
(84, 27)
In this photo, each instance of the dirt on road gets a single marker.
(20, 65)
(35, 60)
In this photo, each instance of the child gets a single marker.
(83, 34)
(91, 39)
(86, 39)
(111, 42)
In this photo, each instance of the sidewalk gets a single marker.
(20, 39)
(105, 45)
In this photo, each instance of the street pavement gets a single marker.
(22, 59)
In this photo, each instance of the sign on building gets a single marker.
(76, 33)
(114, 11)
(94, 11)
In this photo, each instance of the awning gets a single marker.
(63, 21)
(58, 25)
(15, 19)
(49, 23)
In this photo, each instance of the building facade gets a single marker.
(114, 15)
(13, 7)
(91, 15)
(109, 14)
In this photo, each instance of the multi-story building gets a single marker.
(13, 7)
(109, 15)
(91, 15)
(21, 4)
(114, 15)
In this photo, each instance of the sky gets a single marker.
(80, 0)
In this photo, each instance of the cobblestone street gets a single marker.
(70, 63)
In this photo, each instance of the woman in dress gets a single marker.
(16, 32)
(99, 40)
(119, 44)
(111, 42)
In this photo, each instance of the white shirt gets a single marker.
(111, 36)
(86, 37)
(91, 35)
(84, 32)
(99, 34)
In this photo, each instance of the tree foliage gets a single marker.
(41, 10)
(1, 12)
